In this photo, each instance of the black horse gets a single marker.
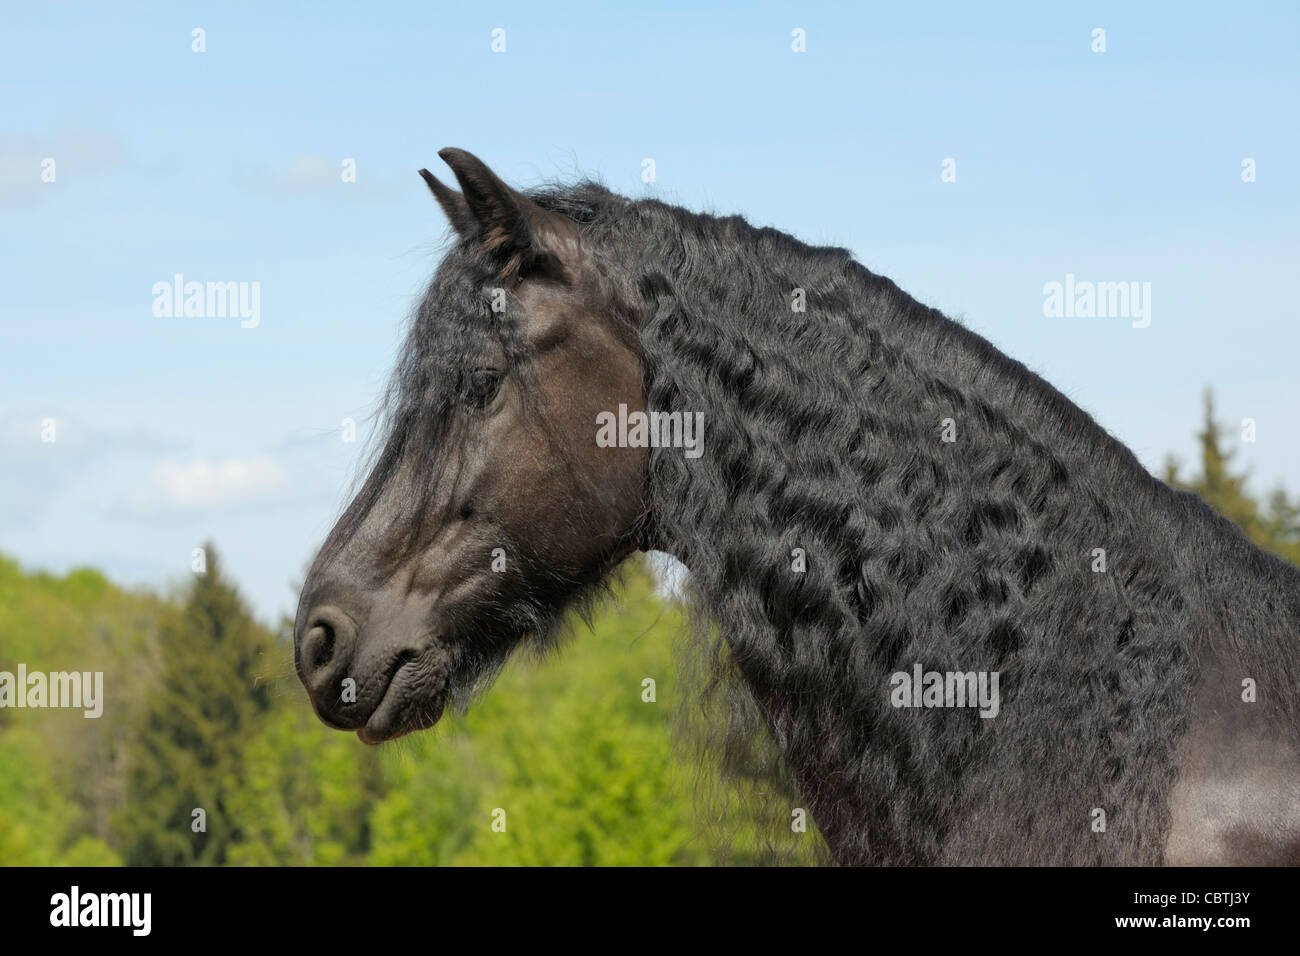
(882, 501)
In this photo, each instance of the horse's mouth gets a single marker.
(414, 700)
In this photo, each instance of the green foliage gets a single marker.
(583, 767)
(60, 773)
(41, 823)
(305, 796)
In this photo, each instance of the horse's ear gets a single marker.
(508, 225)
(452, 203)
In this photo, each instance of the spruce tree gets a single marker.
(1276, 529)
(187, 756)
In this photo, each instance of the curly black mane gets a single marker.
(828, 394)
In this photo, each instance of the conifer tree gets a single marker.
(209, 698)
(1275, 528)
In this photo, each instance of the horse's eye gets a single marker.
(481, 387)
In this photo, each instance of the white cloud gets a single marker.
(44, 453)
(319, 176)
(32, 437)
(205, 483)
(78, 155)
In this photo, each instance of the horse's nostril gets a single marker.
(326, 647)
(467, 511)
(320, 641)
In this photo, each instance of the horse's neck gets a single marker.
(881, 491)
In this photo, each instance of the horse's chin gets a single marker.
(420, 716)
(414, 700)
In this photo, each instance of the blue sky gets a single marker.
(224, 166)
